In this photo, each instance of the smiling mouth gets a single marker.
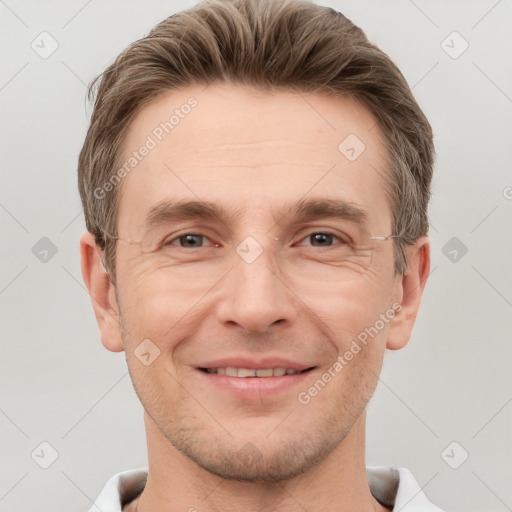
(252, 372)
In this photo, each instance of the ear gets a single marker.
(102, 293)
(408, 291)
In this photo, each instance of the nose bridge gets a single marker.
(256, 297)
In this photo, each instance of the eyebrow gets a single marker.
(327, 208)
(176, 210)
(300, 211)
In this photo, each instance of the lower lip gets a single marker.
(255, 387)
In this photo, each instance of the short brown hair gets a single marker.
(268, 44)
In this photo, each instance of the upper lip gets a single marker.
(256, 364)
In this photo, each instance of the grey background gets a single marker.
(452, 382)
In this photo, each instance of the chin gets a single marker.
(263, 461)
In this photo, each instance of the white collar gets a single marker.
(393, 487)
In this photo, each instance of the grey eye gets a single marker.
(189, 240)
(321, 239)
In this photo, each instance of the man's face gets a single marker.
(260, 285)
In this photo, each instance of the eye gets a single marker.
(323, 239)
(189, 240)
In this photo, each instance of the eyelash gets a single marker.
(329, 233)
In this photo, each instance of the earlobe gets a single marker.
(101, 292)
(409, 290)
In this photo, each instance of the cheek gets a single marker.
(357, 308)
(159, 304)
(341, 392)
(157, 390)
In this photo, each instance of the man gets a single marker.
(255, 182)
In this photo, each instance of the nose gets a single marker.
(256, 296)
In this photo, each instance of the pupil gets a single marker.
(322, 238)
(186, 239)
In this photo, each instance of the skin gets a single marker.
(255, 152)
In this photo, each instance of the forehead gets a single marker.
(252, 150)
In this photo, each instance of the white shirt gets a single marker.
(393, 487)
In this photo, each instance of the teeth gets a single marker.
(248, 372)
(244, 372)
(265, 373)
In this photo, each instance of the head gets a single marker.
(263, 123)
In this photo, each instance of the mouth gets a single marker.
(256, 381)
(255, 372)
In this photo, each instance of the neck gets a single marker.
(337, 484)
